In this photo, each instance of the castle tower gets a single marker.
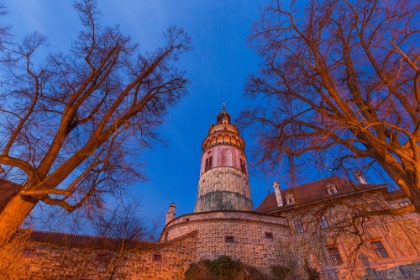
(223, 183)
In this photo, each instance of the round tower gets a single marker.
(223, 183)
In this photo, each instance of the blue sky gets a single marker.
(217, 68)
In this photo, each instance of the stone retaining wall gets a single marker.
(164, 261)
(246, 236)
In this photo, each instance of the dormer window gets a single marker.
(331, 189)
(290, 199)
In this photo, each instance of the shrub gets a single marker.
(222, 268)
(312, 273)
(280, 272)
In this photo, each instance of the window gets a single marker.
(379, 250)
(364, 219)
(335, 256)
(331, 189)
(28, 252)
(323, 222)
(209, 162)
(157, 258)
(299, 226)
(290, 199)
(243, 168)
(269, 235)
(229, 239)
(404, 203)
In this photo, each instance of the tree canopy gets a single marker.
(340, 84)
(70, 124)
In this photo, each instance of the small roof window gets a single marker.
(331, 189)
(290, 199)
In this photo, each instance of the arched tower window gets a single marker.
(243, 167)
(209, 163)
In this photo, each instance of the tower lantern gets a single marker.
(223, 183)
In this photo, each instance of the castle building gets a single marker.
(322, 226)
(224, 218)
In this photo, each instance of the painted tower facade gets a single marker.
(223, 183)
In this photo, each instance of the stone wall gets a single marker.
(256, 239)
(246, 236)
(223, 188)
(163, 261)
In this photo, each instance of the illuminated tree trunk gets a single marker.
(13, 216)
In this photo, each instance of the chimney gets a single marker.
(276, 186)
(359, 177)
(171, 213)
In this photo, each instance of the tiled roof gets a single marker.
(85, 240)
(64, 239)
(312, 192)
(398, 194)
(7, 191)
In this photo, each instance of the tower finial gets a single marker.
(224, 105)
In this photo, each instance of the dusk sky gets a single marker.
(217, 69)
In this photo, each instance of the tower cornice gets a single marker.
(223, 137)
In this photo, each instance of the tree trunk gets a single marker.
(404, 180)
(411, 191)
(13, 215)
(415, 198)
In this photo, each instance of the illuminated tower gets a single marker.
(223, 183)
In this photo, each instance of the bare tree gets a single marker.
(340, 83)
(70, 125)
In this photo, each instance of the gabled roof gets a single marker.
(313, 192)
(7, 191)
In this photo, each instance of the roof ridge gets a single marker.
(324, 179)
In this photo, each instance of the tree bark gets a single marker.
(13, 215)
